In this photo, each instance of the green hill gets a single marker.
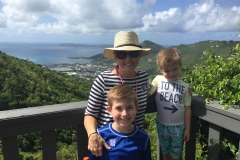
(191, 54)
(25, 84)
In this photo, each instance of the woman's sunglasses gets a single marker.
(123, 54)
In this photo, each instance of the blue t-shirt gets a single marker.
(131, 146)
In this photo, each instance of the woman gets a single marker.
(127, 53)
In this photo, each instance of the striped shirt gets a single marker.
(97, 101)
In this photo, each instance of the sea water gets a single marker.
(50, 53)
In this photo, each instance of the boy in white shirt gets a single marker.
(173, 104)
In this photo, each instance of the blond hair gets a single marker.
(121, 92)
(169, 56)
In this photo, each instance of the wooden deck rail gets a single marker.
(46, 119)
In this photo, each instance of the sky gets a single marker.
(165, 22)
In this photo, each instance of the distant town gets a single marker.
(88, 71)
(91, 70)
(83, 71)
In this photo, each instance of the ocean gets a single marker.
(50, 53)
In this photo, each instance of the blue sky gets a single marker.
(166, 22)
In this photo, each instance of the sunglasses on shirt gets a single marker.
(123, 54)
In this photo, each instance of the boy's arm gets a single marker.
(147, 153)
(187, 119)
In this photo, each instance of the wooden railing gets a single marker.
(46, 119)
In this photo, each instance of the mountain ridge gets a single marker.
(191, 53)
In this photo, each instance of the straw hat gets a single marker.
(125, 40)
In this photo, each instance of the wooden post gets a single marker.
(191, 144)
(239, 147)
(214, 135)
(10, 148)
(82, 142)
(49, 145)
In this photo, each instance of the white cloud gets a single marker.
(3, 22)
(83, 16)
(199, 17)
(77, 17)
(166, 21)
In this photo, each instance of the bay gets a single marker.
(51, 53)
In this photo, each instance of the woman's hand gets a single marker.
(95, 144)
(190, 90)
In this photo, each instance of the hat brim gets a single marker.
(109, 52)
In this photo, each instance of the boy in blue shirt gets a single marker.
(126, 140)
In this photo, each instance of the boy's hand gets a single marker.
(186, 137)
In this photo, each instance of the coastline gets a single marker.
(52, 53)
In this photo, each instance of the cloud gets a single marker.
(166, 21)
(3, 22)
(64, 17)
(80, 16)
(198, 17)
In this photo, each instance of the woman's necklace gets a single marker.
(117, 70)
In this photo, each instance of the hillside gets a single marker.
(25, 84)
(191, 54)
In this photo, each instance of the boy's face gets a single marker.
(171, 72)
(123, 113)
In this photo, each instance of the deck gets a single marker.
(46, 119)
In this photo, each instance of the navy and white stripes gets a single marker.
(97, 101)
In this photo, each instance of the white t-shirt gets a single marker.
(171, 99)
